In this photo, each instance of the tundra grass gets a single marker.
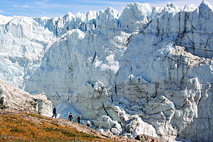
(14, 127)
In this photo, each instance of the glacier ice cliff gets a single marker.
(144, 71)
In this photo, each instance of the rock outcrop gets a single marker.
(15, 99)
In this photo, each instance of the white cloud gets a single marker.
(107, 2)
(153, 3)
(21, 6)
(180, 3)
(48, 8)
(1, 11)
(41, 2)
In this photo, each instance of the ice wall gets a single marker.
(144, 71)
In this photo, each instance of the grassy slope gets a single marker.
(31, 127)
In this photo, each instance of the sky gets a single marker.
(56, 8)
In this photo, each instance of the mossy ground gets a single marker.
(15, 127)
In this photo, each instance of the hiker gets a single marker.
(88, 123)
(70, 117)
(78, 119)
(54, 112)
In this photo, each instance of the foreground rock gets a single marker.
(15, 99)
(145, 138)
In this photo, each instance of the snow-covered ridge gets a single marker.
(144, 71)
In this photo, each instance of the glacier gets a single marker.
(146, 71)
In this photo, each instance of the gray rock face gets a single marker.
(15, 99)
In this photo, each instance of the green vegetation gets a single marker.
(14, 129)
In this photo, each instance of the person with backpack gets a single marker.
(88, 123)
(70, 117)
(79, 119)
